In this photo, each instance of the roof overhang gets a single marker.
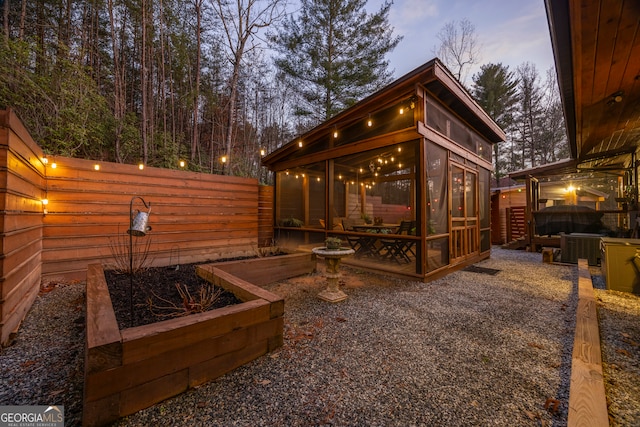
(432, 76)
(596, 45)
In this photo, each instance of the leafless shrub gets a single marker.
(266, 251)
(163, 308)
(120, 253)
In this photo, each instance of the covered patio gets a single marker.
(402, 177)
(597, 53)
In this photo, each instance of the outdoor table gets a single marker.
(380, 228)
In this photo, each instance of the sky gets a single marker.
(509, 32)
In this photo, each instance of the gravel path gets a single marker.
(468, 349)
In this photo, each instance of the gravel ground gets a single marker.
(468, 349)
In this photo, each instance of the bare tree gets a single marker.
(5, 21)
(241, 20)
(119, 95)
(459, 48)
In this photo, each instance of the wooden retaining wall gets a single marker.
(22, 188)
(195, 217)
(131, 369)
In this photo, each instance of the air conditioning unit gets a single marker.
(620, 265)
(580, 245)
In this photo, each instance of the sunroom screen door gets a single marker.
(464, 213)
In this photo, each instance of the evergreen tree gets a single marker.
(333, 52)
(496, 90)
(529, 121)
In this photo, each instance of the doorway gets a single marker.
(464, 237)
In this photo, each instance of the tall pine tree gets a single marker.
(496, 90)
(333, 54)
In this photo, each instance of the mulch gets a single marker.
(156, 287)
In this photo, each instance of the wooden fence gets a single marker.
(195, 217)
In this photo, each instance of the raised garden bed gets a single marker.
(130, 369)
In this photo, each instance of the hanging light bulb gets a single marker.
(369, 122)
(300, 143)
(401, 110)
(335, 132)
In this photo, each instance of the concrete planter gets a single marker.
(131, 369)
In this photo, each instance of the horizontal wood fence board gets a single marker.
(217, 210)
(19, 203)
(23, 276)
(158, 239)
(12, 221)
(19, 257)
(16, 294)
(147, 185)
(23, 163)
(72, 219)
(83, 200)
(58, 253)
(24, 186)
(14, 311)
(15, 240)
(12, 124)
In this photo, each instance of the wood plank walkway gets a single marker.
(587, 399)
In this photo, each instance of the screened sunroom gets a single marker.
(402, 177)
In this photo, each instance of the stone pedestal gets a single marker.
(332, 259)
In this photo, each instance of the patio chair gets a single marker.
(400, 249)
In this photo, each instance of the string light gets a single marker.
(182, 163)
(262, 152)
(141, 166)
(96, 167)
(44, 160)
(223, 159)
(300, 143)
(335, 132)
(369, 122)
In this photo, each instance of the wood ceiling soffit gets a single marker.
(610, 59)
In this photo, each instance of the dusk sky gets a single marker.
(510, 32)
